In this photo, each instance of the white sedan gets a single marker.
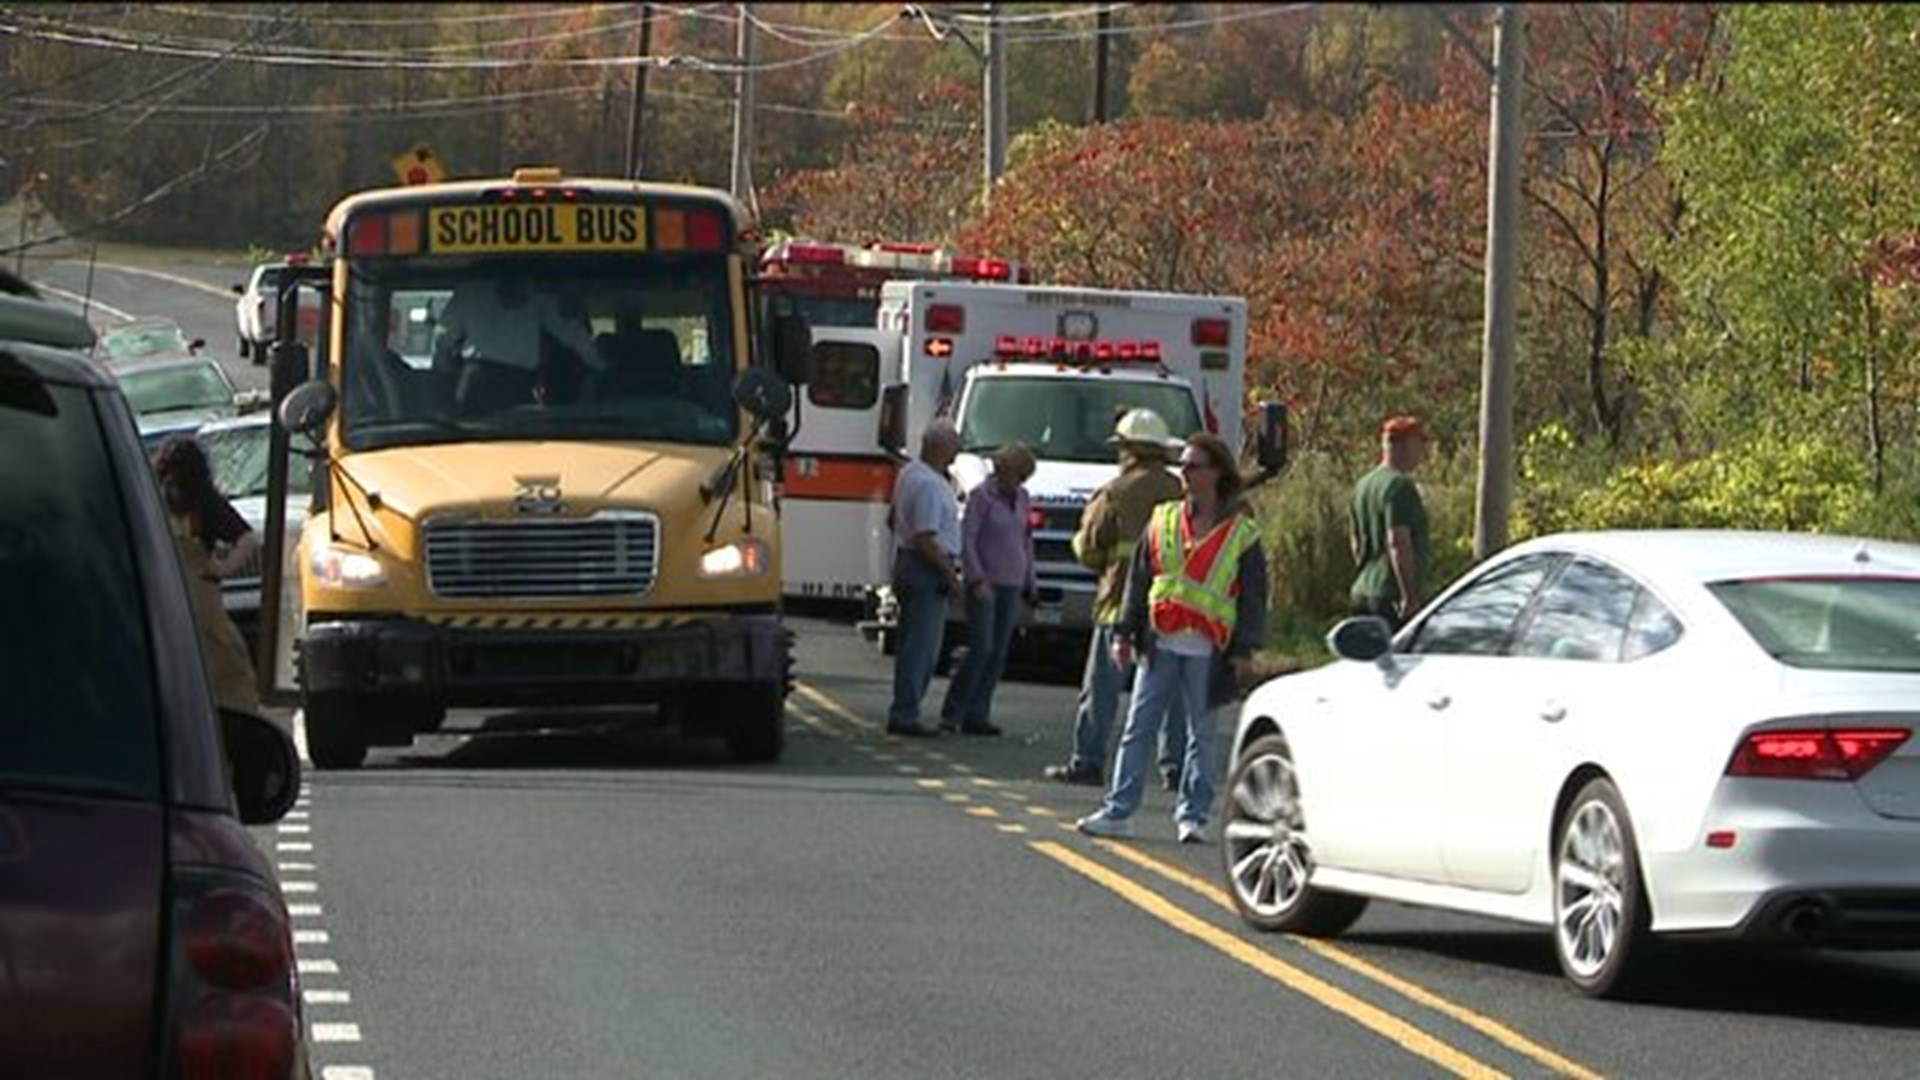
(1619, 736)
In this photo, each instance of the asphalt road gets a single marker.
(605, 902)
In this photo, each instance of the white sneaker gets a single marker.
(1193, 832)
(1099, 824)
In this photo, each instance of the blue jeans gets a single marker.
(1100, 698)
(990, 626)
(923, 622)
(1162, 679)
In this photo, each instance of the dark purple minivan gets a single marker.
(142, 933)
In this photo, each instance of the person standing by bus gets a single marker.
(996, 557)
(1195, 609)
(926, 571)
(1387, 527)
(215, 543)
(1110, 527)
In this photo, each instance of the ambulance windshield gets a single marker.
(1066, 419)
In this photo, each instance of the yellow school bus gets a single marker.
(550, 412)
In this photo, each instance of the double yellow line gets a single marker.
(1396, 1029)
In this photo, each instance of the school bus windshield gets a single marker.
(577, 346)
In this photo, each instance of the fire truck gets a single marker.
(1053, 367)
(839, 284)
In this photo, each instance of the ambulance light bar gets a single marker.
(984, 269)
(927, 259)
(1008, 347)
(814, 254)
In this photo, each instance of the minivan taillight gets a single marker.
(234, 998)
(235, 941)
(1815, 753)
(238, 1037)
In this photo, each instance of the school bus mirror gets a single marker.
(763, 394)
(288, 367)
(306, 410)
(1272, 446)
(893, 420)
(793, 348)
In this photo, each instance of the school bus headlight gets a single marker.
(742, 558)
(343, 568)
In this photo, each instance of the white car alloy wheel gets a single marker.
(1599, 908)
(1268, 857)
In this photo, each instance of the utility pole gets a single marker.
(1496, 366)
(637, 112)
(996, 99)
(1102, 22)
(742, 183)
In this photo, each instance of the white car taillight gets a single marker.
(1815, 753)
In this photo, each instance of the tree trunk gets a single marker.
(1876, 440)
(1605, 415)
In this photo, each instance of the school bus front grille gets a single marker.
(598, 556)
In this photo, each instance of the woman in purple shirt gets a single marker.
(996, 556)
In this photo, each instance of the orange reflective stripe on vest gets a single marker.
(1195, 586)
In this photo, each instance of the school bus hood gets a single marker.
(543, 478)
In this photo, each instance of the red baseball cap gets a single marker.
(1400, 427)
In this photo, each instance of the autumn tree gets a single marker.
(1797, 173)
(908, 175)
(1601, 203)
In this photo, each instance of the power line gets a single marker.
(217, 12)
(1264, 11)
(422, 52)
(1041, 16)
(246, 143)
(162, 47)
(449, 106)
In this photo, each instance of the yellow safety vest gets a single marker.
(1196, 583)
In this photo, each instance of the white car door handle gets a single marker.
(1553, 712)
(1438, 700)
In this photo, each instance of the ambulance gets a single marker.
(836, 285)
(1053, 367)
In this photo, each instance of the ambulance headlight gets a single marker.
(740, 559)
(345, 568)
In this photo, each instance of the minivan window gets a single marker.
(76, 705)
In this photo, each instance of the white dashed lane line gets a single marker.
(331, 1027)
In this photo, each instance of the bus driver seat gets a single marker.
(642, 363)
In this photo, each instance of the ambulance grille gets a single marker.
(598, 556)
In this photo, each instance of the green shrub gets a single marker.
(1805, 485)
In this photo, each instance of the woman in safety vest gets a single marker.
(1196, 606)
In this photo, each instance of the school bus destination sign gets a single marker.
(474, 230)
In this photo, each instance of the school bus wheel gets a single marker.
(335, 739)
(753, 722)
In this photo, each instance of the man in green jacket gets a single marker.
(1387, 527)
(1110, 527)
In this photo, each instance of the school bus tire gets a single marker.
(335, 739)
(755, 728)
